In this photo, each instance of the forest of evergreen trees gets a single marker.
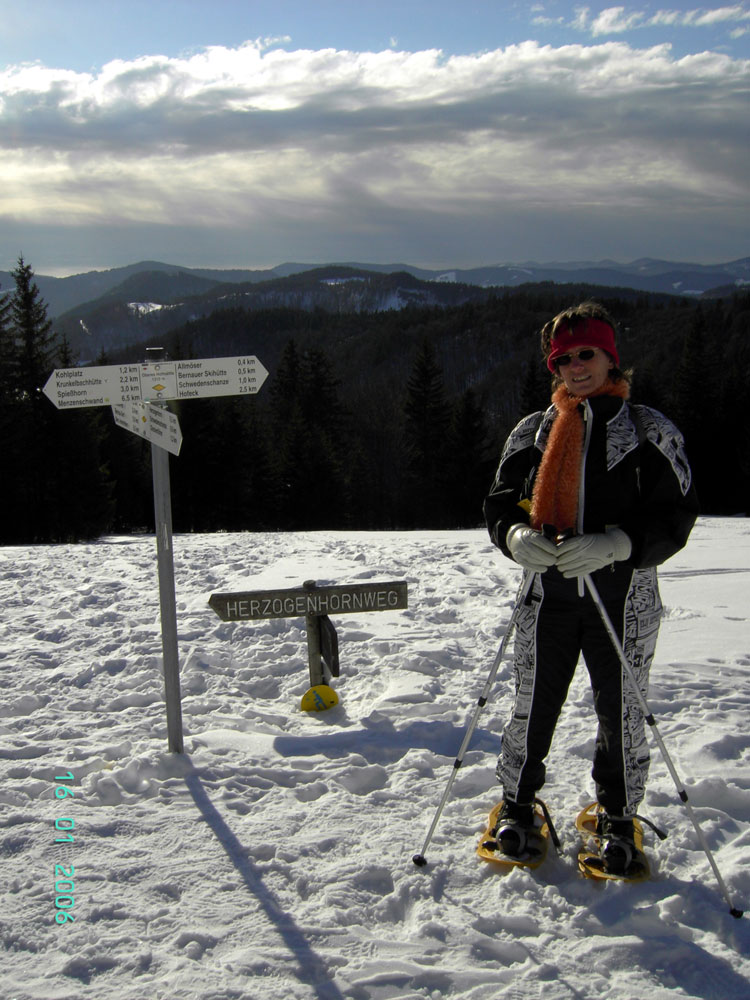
(384, 420)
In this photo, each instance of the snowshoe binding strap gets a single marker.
(548, 820)
(659, 833)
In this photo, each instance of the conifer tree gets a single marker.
(732, 447)
(84, 500)
(221, 480)
(285, 387)
(58, 489)
(260, 490)
(428, 415)
(535, 391)
(30, 449)
(329, 441)
(710, 404)
(7, 352)
(309, 430)
(7, 431)
(319, 391)
(470, 464)
(6, 342)
(36, 345)
(694, 384)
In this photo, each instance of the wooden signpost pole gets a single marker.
(314, 658)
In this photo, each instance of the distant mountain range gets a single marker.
(646, 274)
(105, 310)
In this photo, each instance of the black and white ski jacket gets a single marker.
(635, 475)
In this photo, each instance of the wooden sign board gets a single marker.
(294, 603)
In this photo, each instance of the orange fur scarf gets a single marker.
(555, 496)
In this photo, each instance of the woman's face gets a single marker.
(582, 377)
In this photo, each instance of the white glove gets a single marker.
(530, 548)
(584, 554)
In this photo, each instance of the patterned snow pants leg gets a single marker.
(555, 626)
(543, 668)
(621, 759)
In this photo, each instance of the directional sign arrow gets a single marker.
(200, 378)
(109, 385)
(70, 388)
(153, 423)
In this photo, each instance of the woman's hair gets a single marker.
(572, 317)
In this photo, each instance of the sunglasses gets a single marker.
(585, 355)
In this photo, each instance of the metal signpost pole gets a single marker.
(167, 599)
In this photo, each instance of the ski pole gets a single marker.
(419, 859)
(657, 736)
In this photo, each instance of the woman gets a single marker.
(594, 486)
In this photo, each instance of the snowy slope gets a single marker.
(273, 859)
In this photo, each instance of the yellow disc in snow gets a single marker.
(319, 698)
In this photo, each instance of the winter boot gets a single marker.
(616, 842)
(514, 824)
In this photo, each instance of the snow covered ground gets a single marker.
(272, 860)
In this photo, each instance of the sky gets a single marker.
(436, 133)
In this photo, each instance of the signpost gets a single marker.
(137, 395)
(109, 385)
(314, 603)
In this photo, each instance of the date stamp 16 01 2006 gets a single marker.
(64, 826)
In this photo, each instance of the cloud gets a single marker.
(615, 20)
(224, 100)
(545, 21)
(272, 141)
(718, 16)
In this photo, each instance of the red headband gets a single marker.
(585, 333)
